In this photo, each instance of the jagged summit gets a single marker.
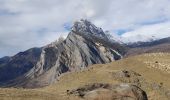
(86, 28)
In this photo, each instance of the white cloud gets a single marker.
(148, 32)
(29, 23)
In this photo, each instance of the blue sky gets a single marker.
(34, 23)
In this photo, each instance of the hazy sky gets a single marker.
(30, 23)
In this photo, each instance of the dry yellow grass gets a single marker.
(100, 73)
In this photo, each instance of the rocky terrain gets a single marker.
(128, 78)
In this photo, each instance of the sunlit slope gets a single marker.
(154, 79)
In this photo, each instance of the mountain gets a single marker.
(85, 45)
(13, 67)
(78, 68)
(160, 45)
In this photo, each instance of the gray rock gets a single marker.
(100, 91)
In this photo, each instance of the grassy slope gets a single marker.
(142, 64)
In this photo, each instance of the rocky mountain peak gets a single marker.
(85, 45)
(86, 28)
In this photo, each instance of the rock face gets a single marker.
(100, 91)
(18, 65)
(85, 45)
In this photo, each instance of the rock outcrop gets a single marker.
(100, 91)
(85, 45)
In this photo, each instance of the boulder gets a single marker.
(99, 91)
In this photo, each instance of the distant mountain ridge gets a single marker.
(150, 43)
(13, 67)
(161, 45)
